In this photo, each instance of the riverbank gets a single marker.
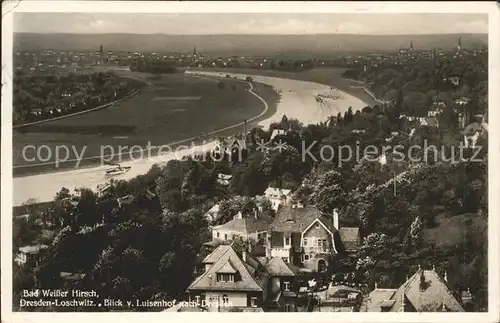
(298, 98)
(297, 101)
(43, 187)
(329, 76)
(146, 120)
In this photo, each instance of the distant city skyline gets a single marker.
(257, 24)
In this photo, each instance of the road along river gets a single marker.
(297, 101)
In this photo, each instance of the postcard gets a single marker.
(167, 160)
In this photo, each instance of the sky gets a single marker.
(243, 23)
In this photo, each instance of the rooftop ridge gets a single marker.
(206, 272)
(448, 291)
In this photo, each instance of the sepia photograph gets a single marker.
(226, 157)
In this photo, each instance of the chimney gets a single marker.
(244, 256)
(245, 127)
(376, 285)
(335, 219)
(255, 213)
(446, 276)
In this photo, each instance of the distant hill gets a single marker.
(297, 45)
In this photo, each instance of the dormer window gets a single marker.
(226, 274)
(225, 278)
(287, 286)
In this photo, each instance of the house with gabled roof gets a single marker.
(303, 236)
(230, 281)
(277, 196)
(283, 286)
(253, 226)
(425, 291)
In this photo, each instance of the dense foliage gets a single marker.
(37, 97)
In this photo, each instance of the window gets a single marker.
(305, 242)
(225, 299)
(253, 302)
(317, 225)
(225, 236)
(225, 278)
(218, 234)
(306, 257)
(324, 244)
(320, 244)
(288, 240)
(287, 286)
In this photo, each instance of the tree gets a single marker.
(339, 118)
(62, 194)
(240, 245)
(264, 204)
(416, 233)
(329, 192)
(349, 115)
(374, 245)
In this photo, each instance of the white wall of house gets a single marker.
(234, 298)
(228, 235)
(281, 252)
(276, 202)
